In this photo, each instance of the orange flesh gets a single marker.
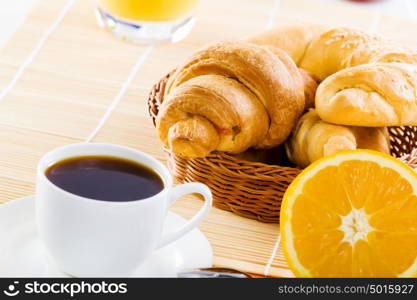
(389, 209)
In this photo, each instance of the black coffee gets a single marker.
(105, 178)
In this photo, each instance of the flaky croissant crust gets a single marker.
(342, 48)
(262, 75)
(313, 138)
(211, 112)
(274, 80)
(380, 94)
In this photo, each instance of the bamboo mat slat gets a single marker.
(66, 90)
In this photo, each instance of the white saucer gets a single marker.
(22, 254)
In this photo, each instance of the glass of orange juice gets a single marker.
(147, 21)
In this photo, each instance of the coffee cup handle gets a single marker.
(176, 193)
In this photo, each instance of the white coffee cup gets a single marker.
(94, 238)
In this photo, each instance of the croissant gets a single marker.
(313, 138)
(293, 39)
(211, 112)
(380, 94)
(228, 97)
(342, 48)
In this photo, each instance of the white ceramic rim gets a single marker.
(142, 158)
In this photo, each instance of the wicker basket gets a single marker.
(254, 190)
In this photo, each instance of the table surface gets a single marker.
(62, 79)
(12, 13)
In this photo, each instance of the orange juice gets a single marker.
(148, 10)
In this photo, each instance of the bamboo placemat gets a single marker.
(81, 72)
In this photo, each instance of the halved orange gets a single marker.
(352, 214)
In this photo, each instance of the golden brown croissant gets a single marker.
(342, 48)
(313, 138)
(293, 39)
(381, 94)
(308, 82)
(211, 112)
(252, 98)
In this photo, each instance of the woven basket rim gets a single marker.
(264, 171)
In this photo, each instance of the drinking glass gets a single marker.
(147, 21)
